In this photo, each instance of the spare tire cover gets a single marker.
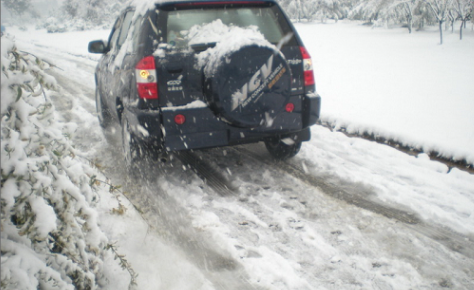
(249, 87)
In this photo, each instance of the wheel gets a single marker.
(102, 112)
(132, 149)
(283, 148)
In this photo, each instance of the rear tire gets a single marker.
(132, 149)
(103, 113)
(282, 148)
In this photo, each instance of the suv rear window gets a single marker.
(264, 19)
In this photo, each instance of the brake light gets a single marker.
(289, 107)
(145, 74)
(307, 67)
(179, 119)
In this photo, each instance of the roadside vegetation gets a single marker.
(50, 236)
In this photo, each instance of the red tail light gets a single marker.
(145, 74)
(289, 107)
(307, 67)
(179, 119)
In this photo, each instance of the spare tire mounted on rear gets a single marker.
(248, 87)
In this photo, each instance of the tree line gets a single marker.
(414, 14)
(69, 15)
(410, 13)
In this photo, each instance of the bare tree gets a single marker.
(408, 7)
(452, 16)
(440, 11)
(464, 9)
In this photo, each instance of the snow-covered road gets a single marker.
(345, 213)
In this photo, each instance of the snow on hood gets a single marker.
(228, 39)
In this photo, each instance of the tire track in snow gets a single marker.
(162, 213)
(276, 214)
(360, 197)
(172, 221)
(207, 173)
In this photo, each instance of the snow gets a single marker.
(45, 221)
(25, 264)
(423, 185)
(193, 105)
(396, 85)
(278, 232)
(228, 39)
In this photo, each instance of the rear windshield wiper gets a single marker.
(198, 47)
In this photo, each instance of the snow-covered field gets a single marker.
(345, 213)
(397, 85)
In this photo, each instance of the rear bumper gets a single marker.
(202, 129)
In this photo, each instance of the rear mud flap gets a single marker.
(311, 110)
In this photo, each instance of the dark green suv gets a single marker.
(182, 75)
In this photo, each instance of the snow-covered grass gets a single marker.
(396, 85)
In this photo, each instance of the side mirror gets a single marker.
(97, 46)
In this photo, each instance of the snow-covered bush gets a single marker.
(53, 25)
(85, 15)
(50, 237)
